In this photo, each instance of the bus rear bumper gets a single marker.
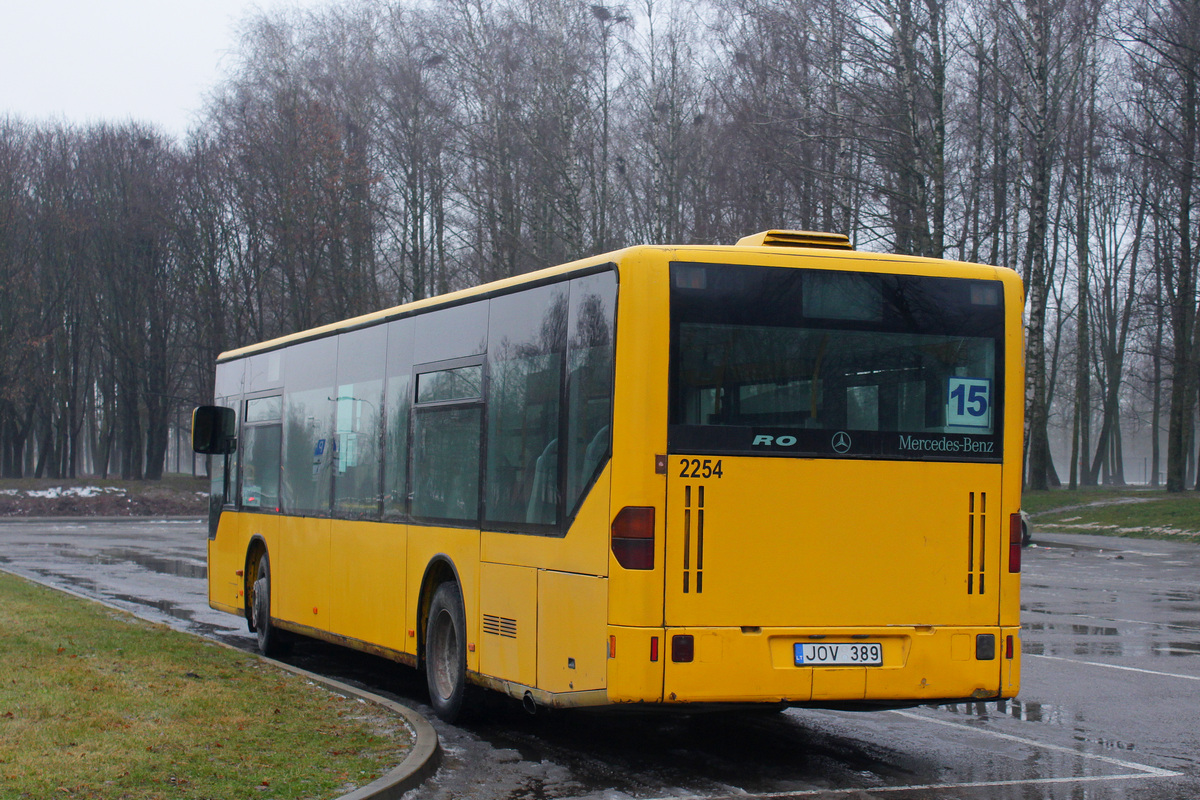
(920, 664)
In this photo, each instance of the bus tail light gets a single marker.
(633, 537)
(1014, 543)
(985, 647)
(683, 648)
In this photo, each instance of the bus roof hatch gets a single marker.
(834, 241)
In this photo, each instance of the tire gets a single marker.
(446, 652)
(271, 640)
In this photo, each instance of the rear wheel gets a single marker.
(270, 639)
(446, 652)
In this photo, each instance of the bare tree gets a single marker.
(415, 125)
(1165, 58)
(21, 303)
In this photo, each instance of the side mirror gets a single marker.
(214, 430)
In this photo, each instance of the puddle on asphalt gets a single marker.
(1175, 596)
(1024, 710)
(1105, 743)
(163, 566)
(1041, 714)
(1175, 648)
(164, 606)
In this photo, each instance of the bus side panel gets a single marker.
(460, 546)
(583, 550)
(226, 559)
(367, 589)
(508, 633)
(639, 427)
(635, 664)
(1011, 667)
(571, 632)
(300, 572)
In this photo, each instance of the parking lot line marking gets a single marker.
(1115, 666)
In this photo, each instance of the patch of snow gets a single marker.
(1084, 527)
(73, 491)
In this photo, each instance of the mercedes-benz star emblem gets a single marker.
(841, 442)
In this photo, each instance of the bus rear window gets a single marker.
(775, 361)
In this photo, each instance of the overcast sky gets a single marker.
(82, 61)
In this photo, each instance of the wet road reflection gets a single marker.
(1111, 680)
(153, 568)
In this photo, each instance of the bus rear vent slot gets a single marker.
(976, 542)
(693, 521)
(500, 626)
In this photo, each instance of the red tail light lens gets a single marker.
(633, 537)
(1014, 543)
(683, 648)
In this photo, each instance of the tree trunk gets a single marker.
(1037, 411)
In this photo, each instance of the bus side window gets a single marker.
(446, 426)
(448, 413)
(526, 342)
(591, 326)
(358, 423)
(260, 461)
(398, 407)
(446, 464)
(308, 446)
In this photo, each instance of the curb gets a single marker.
(421, 762)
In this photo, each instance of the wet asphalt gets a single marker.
(1109, 706)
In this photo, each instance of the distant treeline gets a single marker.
(366, 155)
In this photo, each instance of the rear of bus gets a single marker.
(815, 479)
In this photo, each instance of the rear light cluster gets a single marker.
(633, 537)
(683, 648)
(1014, 543)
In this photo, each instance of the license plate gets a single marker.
(840, 654)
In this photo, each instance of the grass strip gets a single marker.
(1139, 513)
(96, 703)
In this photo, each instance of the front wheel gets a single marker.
(446, 652)
(270, 639)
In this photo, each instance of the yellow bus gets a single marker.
(782, 472)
